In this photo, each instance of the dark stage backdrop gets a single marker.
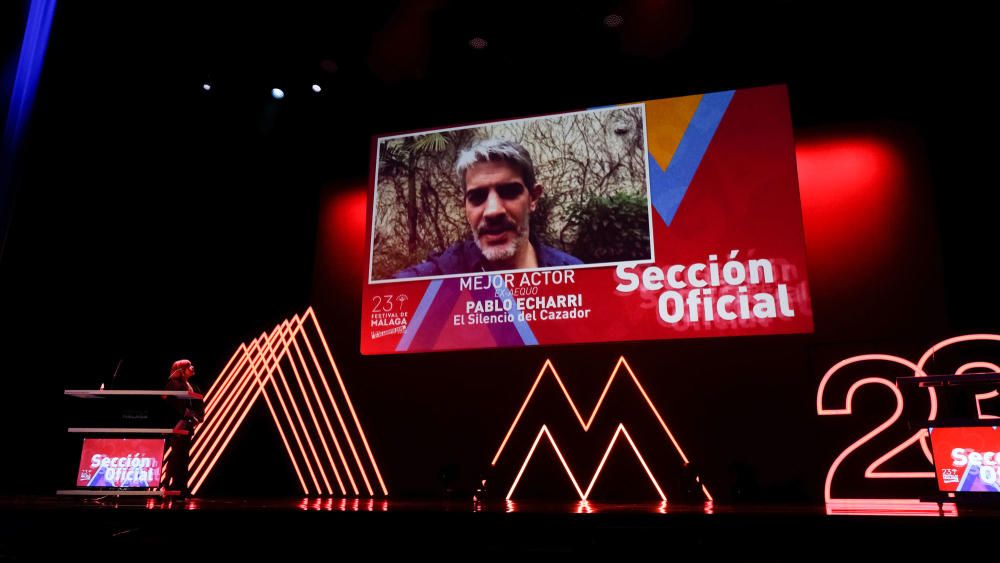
(152, 221)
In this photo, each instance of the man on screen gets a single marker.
(498, 180)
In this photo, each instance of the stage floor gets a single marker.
(209, 528)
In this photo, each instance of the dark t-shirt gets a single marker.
(465, 258)
(184, 409)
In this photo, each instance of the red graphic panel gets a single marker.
(121, 462)
(965, 458)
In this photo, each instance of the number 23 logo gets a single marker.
(828, 405)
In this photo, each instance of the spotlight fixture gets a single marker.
(613, 20)
(478, 43)
(277, 93)
(316, 88)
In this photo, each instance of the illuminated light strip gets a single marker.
(242, 416)
(204, 458)
(166, 459)
(347, 399)
(340, 418)
(235, 381)
(243, 407)
(305, 397)
(223, 384)
(586, 425)
(261, 384)
(320, 403)
(933, 393)
(279, 354)
(284, 439)
(228, 381)
(236, 400)
(881, 508)
(545, 431)
(241, 382)
(584, 495)
(821, 410)
(880, 502)
(326, 418)
(225, 371)
(978, 365)
(220, 419)
(217, 418)
(955, 340)
(871, 470)
(240, 398)
(708, 495)
(621, 430)
(979, 408)
(295, 408)
(981, 396)
(253, 373)
(858, 443)
(163, 467)
(524, 405)
(649, 402)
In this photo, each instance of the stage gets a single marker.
(336, 269)
(229, 527)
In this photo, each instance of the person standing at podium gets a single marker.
(189, 414)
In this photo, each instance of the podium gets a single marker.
(122, 421)
(964, 444)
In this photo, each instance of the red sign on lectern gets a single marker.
(967, 459)
(121, 462)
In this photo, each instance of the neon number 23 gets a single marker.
(871, 472)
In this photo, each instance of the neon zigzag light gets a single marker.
(547, 367)
(585, 494)
(256, 370)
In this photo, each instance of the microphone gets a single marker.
(115, 374)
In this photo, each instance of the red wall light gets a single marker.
(854, 199)
(342, 231)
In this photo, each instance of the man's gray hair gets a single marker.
(492, 150)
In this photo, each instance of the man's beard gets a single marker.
(506, 251)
